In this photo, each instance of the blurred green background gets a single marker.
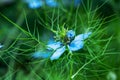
(23, 30)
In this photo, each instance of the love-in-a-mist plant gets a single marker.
(64, 40)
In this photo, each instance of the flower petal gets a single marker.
(70, 34)
(34, 3)
(78, 42)
(1, 46)
(54, 46)
(51, 3)
(40, 54)
(76, 45)
(82, 36)
(77, 2)
(58, 53)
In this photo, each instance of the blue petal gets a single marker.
(70, 34)
(78, 42)
(40, 54)
(54, 46)
(34, 3)
(76, 45)
(82, 36)
(1, 46)
(77, 2)
(51, 3)
(58, 53)
(51, 40)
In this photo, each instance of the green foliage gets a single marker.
(31, 30)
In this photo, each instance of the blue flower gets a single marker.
(59, 48)
(70, 2)
(1, 46)
(77, 2)
(39, 3)
(41, 54)
(51, 3)
(74, 45)
(34, 3)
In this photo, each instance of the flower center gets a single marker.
(65, 37)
